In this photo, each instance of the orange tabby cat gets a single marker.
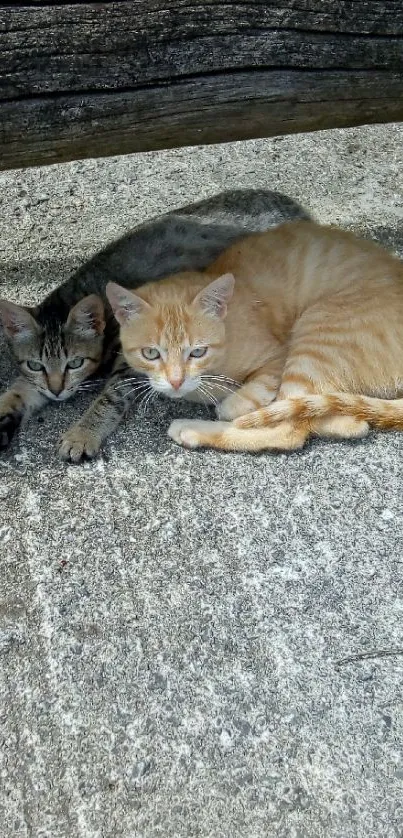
(313, 317)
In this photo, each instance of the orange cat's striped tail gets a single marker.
(385, 414)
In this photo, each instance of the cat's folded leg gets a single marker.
(85, 438)
(225, 436)
(310, 375)
(334, 427)
(280, 411)
(341, 427)
(259, 390)
(16, 405)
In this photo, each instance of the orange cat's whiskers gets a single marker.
(139, 389)
(203, 389)
(218, 383)
(147, 398)
(130, 380)
(93, 381)
(131, 383)
(87, 386)
(222, 378)
(215, 386)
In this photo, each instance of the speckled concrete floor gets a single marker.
(171, 622)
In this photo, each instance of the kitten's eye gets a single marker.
(198, 352)
(75, 363)
(35, 366)
(151, 353)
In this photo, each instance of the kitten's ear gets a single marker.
(87, 318)
(17, 321)
(214, 298)
(124, 304)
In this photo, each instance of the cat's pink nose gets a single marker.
(176, 381)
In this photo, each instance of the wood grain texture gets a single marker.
(88, 79)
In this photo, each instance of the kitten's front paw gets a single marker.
(8, 426)
(78, 444)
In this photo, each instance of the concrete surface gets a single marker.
(170, 622)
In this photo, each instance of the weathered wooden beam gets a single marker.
(92, 79)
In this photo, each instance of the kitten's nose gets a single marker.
(55, 384)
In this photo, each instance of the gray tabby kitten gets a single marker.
(72, 334)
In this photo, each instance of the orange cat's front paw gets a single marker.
(234, 406)
(251, 396)
(195, 433)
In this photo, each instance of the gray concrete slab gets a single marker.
(171, 622)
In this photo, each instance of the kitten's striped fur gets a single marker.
(49, 335)
(315, 321)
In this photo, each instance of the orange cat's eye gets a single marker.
(198, 352)
(151, 353)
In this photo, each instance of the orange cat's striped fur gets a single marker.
(312, 324)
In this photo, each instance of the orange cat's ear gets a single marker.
(214, 298)
(124, 304)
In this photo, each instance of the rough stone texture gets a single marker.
(170, 622)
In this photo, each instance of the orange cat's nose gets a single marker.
(176, 379)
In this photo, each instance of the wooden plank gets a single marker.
(88, 79)
(121, 44)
